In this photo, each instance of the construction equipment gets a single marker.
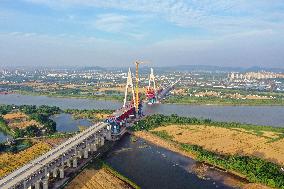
(137, 100)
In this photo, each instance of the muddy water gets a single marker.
(153, 167)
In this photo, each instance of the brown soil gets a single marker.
(23, 124)
(97, 179)
(228, 141)
(17, 115)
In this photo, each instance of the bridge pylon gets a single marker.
(130, 85)
(151, 92)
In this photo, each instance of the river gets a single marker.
(146, 164)
(153, 167)
(259, 115)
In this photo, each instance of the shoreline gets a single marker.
(120, 101)
(172, 146)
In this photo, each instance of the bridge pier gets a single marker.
(37, 184)
(94, 147)
(97, 140)
(75, 162)
(27, 186)
(102, 141)
(61, 172)
(54, 173)
(108, 135)
(45, 183)
(86, 153)
(79, 154)
(68, 162)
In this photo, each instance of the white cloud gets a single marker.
(208, 14)
(111, 22)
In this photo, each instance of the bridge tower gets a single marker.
(129, 84)
(151, 92)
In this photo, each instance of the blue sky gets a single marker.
(163, 32)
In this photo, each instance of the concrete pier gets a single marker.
(75, 162)
(45, 183)
(61, 172)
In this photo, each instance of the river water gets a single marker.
(153, 167)
(147, 164)
(66, 123)
(259, 115)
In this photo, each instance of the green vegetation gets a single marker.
(255, 169)
(162, 134)
(88, 95)
(153, 121)
(4, 127)
(88, 114)
(16, 146)
(180, 99)
(40, 114)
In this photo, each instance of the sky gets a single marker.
(239, 33)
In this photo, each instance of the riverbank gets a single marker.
(237, 148)
(94, 97)
(171, 100)
(99, 175)
(175, 147)
(223, 102)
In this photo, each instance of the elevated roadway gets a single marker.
(40, 168)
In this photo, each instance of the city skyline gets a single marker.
(114, 33)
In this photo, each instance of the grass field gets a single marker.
(229, 141)
(11, 161)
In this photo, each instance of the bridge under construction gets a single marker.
(53, 164)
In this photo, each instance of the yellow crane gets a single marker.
(137, 84)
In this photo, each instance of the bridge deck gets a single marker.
(36, 165)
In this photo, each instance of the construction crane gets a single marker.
(137, 100)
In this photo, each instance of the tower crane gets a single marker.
(137, 100)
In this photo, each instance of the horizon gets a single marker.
(48, 33)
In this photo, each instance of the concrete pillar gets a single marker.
(102, 141)
(37, 184)
(97, 141)
(61, 172)
(45, 183)
(86, 153)
(94, 147)
(54, 173)
(79, 154)
(46, 172)
(26, 186)
(68, 162)
(108, 135)
(75, 162)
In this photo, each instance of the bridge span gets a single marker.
(36, 173)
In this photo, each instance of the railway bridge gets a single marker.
(36, 174)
